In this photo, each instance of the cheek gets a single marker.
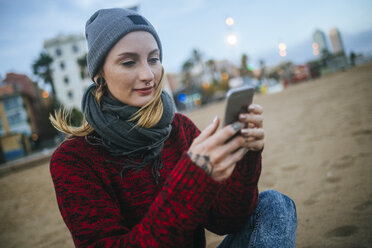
(119, 87)
(157, 74)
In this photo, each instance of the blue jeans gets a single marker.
(273, 224)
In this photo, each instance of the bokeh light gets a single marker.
(232, 39)
(229, 21)
(282, 46)
(45, 94)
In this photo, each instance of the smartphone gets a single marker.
(238, 101)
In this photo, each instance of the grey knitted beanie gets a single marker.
(106, 27)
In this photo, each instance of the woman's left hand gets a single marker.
(253, 133)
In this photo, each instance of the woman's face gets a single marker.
(132, 68)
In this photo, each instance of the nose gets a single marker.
(146, 74)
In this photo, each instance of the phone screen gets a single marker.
(238, 101)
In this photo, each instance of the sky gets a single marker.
(184, 25)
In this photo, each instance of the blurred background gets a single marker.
(209, 47)
(309, 62)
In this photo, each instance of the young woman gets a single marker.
(137, 174)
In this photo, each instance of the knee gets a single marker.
(280, 206)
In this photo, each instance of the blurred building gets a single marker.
(320, 43)
(70, 79)
(336, 41)
(20, 114)
(15, 127)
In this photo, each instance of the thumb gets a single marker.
(209, 130)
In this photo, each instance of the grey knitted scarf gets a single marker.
(122, 137)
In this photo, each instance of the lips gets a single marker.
(145, 90)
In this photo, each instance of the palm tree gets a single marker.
(186, 74)
(197, 56)
(352, 58)
(263, 69)
(212, 68)
(42, 68)
(192, 77)
(244, 66)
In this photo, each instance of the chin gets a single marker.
(141, 102)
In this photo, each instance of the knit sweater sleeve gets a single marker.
(94, 217)
(237, 199)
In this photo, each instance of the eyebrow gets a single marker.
(129, 54)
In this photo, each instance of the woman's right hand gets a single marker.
(213, 154)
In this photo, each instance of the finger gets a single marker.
(251, 125)
(255, 133)
(208, 131)
(255, 119)
(227, 132)
(249, 139)
(223, 175)
(232, 158)
(239, 154)
(228, 148)
(255, 108)
(254, 145)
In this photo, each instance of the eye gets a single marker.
(153, 60)
(128, 63)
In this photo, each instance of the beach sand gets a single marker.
(318, 151)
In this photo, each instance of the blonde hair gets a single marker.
(147, 116)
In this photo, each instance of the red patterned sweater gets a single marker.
(103, 210)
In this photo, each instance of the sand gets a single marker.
(318, 151)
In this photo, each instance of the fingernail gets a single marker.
(237, 126)
(245, 131)
(251, 107)
(215, 118)
(242, 116)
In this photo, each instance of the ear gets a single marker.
(100, 74)
(95, 79)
